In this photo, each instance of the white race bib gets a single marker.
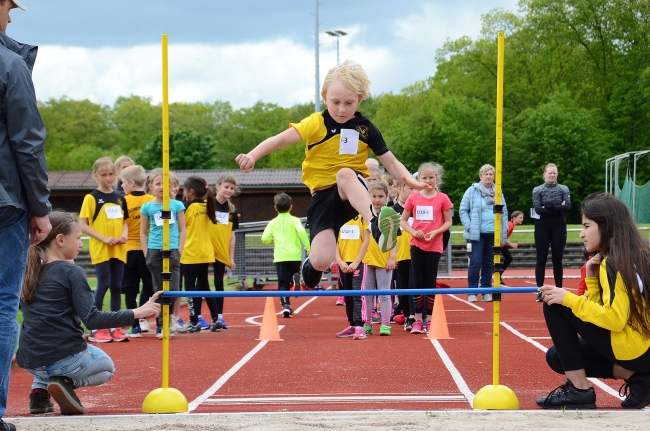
(157, 217)
(424, 212)
(113, 212)
(349, 142)
(350, 232)
(222, 218)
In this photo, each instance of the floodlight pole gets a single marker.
(337, 34)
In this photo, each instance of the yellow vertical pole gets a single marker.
(496, 396)
(165, 399)
(165, 167)
(498, 215)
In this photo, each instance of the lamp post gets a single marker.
(337, 34)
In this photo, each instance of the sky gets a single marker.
(240, 51)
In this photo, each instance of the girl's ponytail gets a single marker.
(211, 205)
(35, 261)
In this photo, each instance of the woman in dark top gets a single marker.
(550, 200)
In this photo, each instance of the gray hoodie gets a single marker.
(23, 170)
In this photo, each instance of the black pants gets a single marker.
(507, 259)
(425, 275)
(549, 231)
(219, 268)
(591, 350)
(403, 281)
(196, 279)
(134, 271)
(285, 271)
(353, 281)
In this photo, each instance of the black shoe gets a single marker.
(310, 277)
(568, 396)
(287, 311)
(6, 426)
(636, 389)
(539, 298)
(39, 403)
(216, 326)
(62, 390)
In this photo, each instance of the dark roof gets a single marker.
(259, 178)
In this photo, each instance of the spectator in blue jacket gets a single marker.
(477, 217)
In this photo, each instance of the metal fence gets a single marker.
(254, 259)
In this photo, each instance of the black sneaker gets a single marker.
(568, 396)
(539, 298)
(309, 276)
(408, 324)
(39, 403)
(6, 426)
(636, 391)
(287, 311)
(62, 390)
(216, 326)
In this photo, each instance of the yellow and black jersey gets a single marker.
(227, 222)
(134, 202)
(404, 240)
(351, 238)
(105, 213)
(332, 146)
(197, 229)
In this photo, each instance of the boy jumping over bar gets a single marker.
(338, 140)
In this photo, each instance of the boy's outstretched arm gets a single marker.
(290, 136)
(397, 170)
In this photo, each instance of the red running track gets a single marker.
(311, 370)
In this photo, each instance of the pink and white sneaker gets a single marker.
(428, 326)
(417, 327)
(119, 335)
(359, 334)
(340, 301)
(347, 332)
(100, 336)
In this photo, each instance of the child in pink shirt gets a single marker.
(431, 211)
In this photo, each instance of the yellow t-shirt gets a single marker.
(134, 202)
(105, 213)
(351, 238)
(375, 257)
(404, 240)
(332, 146)
(220, 232)
(197, 247)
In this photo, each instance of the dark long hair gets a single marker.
(626, 251)
(62, 223)
(202, 191)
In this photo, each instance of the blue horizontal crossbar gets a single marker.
(278, 293)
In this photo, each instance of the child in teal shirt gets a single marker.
(286, 232)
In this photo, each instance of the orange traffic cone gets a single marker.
(269, 330)
(438, 330)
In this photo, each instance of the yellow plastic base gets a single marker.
(165, 400)
(496, 397)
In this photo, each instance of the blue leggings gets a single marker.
(109, 276)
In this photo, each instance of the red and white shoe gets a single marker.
(340, 301)
(118, 335)
(100, 336)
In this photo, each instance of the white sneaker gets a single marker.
(487, 297)
(471, 298)
(174, 326)
(144, 325)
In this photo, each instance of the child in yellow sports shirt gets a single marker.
(337, 143)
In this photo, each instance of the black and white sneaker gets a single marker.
(287, 311)
(309, 276)
(568, 396)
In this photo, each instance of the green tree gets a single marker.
(136, 121)
(187, 150)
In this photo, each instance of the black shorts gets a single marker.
(329, 211)
(134, 271)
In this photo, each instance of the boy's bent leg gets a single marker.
(323, 251)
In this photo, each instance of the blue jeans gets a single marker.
(481, 261)
(14, 242)
(92, 367)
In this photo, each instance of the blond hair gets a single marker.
(378, 185)
(227, 178)
(351, 75)
(435, 168)
(134, 173)
(102, 162)
(485, 168)
(158, 171)
(123, 159)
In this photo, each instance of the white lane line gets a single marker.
(252, 319)
(455, 374)
(467, 302)
(595, 381)
(231, 372)
(339, 399)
